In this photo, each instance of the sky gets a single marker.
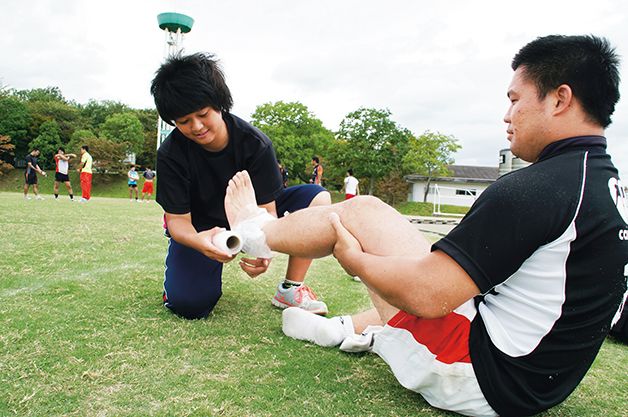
(436, 65)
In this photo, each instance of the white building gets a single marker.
(465, 183)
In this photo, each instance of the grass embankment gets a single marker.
(84, 332)
(115, 186)
(102, 185)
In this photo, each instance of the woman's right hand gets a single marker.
(207, 248)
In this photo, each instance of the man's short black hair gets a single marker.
(61, 149)
(86, 147)
(587, 64)
(187, 83)
(315, 159)
(350, 172)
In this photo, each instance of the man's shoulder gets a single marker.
(241, 130)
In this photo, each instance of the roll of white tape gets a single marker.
(228, 241)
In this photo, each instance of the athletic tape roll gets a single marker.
(229, 242)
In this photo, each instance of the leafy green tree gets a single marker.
(66, 115)
(148, 154)
(296, 133)
(6, 154)
(429, 155)
(47, 142)
(371, 144)
(78, 139)
(124, 128)
(41, 94)
(107, 154)
(14, 122)
(96, 112)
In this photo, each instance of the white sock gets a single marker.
(333, 331)
(303, 325)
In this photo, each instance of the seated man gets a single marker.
(505, 315)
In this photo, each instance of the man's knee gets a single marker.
(191, 305)
(321, 199)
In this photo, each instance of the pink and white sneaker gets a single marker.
(301, 296)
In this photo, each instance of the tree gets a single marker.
(124, 128)
(47, 142)
(78, 139)
(371, 144)
(66, 115)
(392, 188)
(41, 94)
(14, 122)
(107, 154)
(6, 154)
(429, 155)
(296, 133)
(148, 155)
(96, 112)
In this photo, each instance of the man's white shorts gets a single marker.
(431, 357)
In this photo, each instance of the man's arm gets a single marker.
(182, 230)
(429, 287)
(64, 157)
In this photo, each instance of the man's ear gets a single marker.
(563, 99)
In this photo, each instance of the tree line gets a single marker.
(368, 140)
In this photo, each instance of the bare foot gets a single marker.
(240, 203)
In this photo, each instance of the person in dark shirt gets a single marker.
(506, 314)
(30, 175)
(195, 162)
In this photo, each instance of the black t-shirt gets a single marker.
(544, 246)
(33, 160)
(194, 180)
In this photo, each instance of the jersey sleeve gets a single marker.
(173, 185)
(265, 175)
(508, 222)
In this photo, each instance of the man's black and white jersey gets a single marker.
(548, 247)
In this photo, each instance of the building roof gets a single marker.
(462, 173)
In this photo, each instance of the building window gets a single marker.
(466, 192)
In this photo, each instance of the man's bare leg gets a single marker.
(379, 228)
(298, 267)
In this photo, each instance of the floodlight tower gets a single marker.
(175, 25)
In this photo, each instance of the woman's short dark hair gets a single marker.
(315, 159)
(587, 64)
(86, 147)
(187, 83)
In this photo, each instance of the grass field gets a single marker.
(83, 331)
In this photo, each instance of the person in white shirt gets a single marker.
(62, 165)
(351, 186)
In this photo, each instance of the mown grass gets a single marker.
(84, 332)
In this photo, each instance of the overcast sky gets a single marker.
(437, 65)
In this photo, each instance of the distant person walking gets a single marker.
(62, 165)
(30, 175)
(284, 174)
(351, 186)
(132, 177)
(147, 189)
(86, 174)
(317, 172)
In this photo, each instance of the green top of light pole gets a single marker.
(174, 21)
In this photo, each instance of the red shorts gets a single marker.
(431, 357)
(148, 187)
(348, 196)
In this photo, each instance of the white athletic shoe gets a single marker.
(27, 198)
(39, 197)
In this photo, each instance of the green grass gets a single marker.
(83, 331)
